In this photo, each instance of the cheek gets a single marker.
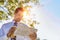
(18, 16)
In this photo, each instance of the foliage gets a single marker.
(11, 5)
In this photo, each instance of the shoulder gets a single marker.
(7, 24)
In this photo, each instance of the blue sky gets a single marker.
(55, 7)
(52, 6)
(50, 19)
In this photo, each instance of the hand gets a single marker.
(33, 36)
(11, 32)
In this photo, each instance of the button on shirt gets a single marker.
(5, 29)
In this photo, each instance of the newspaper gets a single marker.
(24, 31)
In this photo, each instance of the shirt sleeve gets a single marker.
(2, 31)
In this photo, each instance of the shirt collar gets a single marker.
(17, 22)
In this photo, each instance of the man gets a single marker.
(8, 29)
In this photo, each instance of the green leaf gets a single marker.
(12, 8)
(1, 2)
(16, 1)
(2, 15)
(0, 18)
(27, 1)
(10, 2)
(1, 12)
(35, 1)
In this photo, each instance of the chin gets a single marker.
(18, 20)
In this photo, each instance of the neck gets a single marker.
(16, 21)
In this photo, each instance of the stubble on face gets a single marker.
(18, 16)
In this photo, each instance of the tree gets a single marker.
(11, 5)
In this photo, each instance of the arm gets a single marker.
(2, 31)
(11, 32)
(33, 36)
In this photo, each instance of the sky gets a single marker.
(49, 19)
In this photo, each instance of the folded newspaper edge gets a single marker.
(24, 31)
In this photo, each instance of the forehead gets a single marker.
(19, 12)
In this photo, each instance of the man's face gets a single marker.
(18, 16)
